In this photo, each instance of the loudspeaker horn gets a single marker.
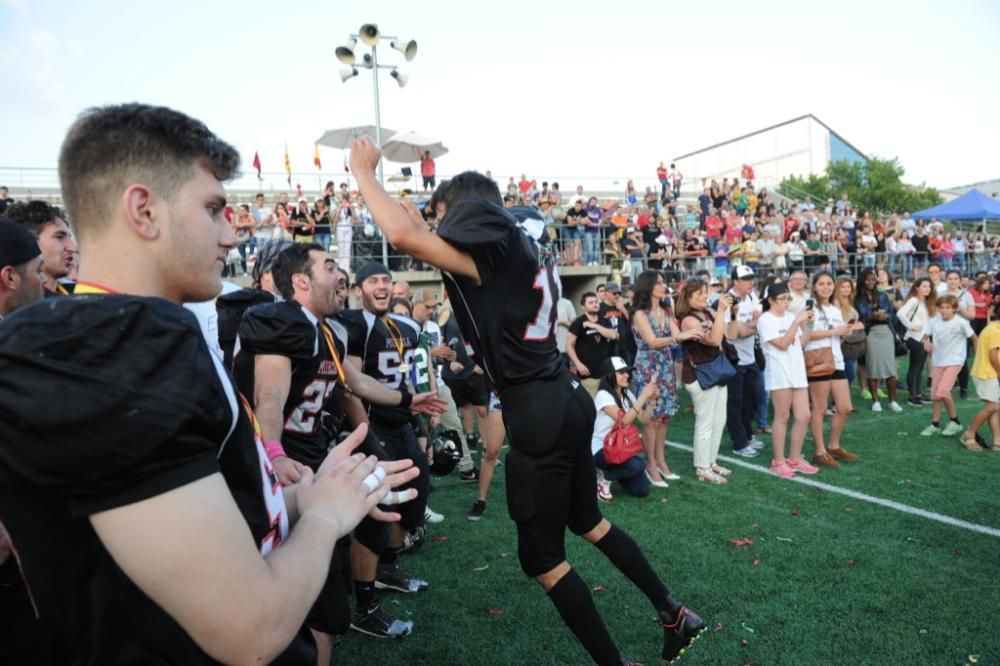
(348, 73)
(369, 34)
(407, 48)
(345, 53)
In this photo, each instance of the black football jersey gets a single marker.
(377, 342)
(108, 400)
(287, 329)
(510, 317)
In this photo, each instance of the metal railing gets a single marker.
(602, 252)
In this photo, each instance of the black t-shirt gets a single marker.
(4, 202)
(450, 332)
(625, 345)
(376, 341)
(106, 401)
(592, 348)
(510, 317)
(322, 221)
(286, 329)
(920, 243)
(577, 216)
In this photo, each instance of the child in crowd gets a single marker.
(721, 259)
(945, 338)
(985, 372)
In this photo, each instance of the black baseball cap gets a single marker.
(17, 244)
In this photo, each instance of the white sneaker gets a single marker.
(432, 516)
(894, 406)
(756, 443)
(952, 429)
(877, 407)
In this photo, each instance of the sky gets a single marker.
(554, 90)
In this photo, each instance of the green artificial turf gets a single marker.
(827, 580)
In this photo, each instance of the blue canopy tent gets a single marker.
(973, 206)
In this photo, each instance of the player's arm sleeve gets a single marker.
(481, 229)
(92, 417)
(268, 330)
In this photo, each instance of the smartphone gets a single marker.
(810, 304)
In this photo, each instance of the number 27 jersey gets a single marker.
(510, 317)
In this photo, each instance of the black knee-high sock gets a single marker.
(364, 593)
(625, 554)
(575, 603)
(389, 555)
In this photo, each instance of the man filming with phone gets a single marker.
(744, 388)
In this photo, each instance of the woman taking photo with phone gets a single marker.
(709, 404)
(782, 336)
(828, 327)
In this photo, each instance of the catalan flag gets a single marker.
(256, 163)
(319, 165)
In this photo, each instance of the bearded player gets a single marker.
(504, 287)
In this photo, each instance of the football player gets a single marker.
(383, 346)
(147, 519)
(504, 286)
(290, 361)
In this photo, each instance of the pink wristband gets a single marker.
(273, 449)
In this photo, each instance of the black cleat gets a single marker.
(392, 577)
(681, 633)
(469, 476)
(472, 441)
(477, 511)
(373, 621)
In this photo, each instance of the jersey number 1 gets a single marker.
(542, 327)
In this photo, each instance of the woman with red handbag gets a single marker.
(616, 444)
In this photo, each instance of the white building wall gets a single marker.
(798, 148)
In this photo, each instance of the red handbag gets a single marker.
(622, 442)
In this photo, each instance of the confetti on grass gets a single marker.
(739, 543)
(482, 568)
(495, 612)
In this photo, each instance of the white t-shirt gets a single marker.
(208, 318)
(798, 302)
(744, 346)
(603, 423)
(784, 368)
(949, 338)
(564, 312)
(828, 317)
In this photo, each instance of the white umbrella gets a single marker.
(342, 138)
(410, 147)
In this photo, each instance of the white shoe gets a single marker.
(756, 443)
(894, 406)
(432, 516)
(659, 483)
(877, 407)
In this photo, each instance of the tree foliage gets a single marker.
(875, 186)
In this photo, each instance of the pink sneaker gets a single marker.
(802, 467)
(782, 469)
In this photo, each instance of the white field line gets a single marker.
(853, 494)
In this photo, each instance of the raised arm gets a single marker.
(396, 222)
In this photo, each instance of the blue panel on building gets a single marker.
(839, 151)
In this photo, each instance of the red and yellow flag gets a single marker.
(288, 165)
(319, 165)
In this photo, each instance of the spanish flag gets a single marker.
(319, 165)
(288, 165)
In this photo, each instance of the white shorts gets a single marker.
(987, 389)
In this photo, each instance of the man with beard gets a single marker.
(289, 362)
(48, 225)
(503, 282)
(382, 346)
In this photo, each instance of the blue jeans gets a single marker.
(323, 238)
(850, 369)
(763, 400)
(631, 474)
(741, 404)
(591, 246)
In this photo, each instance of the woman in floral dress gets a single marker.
(655, 331)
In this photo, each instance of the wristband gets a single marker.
(273, 449)
(406, 399)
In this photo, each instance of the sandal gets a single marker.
(708, 476)
(721, 471)
(970, 443)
